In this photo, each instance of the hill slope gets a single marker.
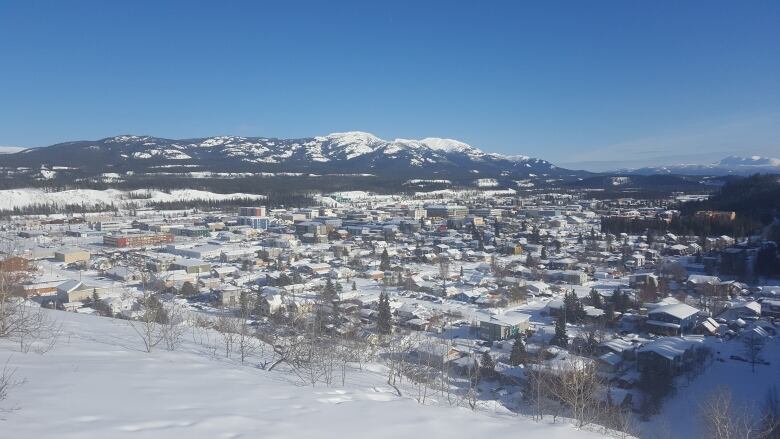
(97, 383)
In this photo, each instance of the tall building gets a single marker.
(252, 211)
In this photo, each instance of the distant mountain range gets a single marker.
(336, 161)
(732, 165)
(337, 154)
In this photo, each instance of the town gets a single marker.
(536, 302)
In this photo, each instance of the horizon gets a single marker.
(612, 85)
(596, 166)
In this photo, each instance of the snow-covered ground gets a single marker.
(98, 383)
(679, 415)
(13, 198)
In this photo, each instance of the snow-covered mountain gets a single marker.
(10, 149)
(349, 153)
(732, 165)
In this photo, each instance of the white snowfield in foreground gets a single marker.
(98, 383)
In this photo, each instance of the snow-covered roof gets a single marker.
(679, 310)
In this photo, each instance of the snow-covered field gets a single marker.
(98, 383)
(13, 198)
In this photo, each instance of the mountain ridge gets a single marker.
(341, 153)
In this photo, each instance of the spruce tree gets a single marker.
(384, 264)
(560, 338)
(488, 367)
(595, 299)
(329, 294)
(384, 322)
(518, 355)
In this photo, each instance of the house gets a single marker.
(123, 273)
(707, 326)
(503, 326)
(230, 296)
(43, 285)
(703, 284)
(538, 288)
(672, 319)
(76, 291)
(770, 308)
(672, 352)
(434, 354)
(573, 277)
(640, 280)
(741, 310)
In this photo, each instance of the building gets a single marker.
(671, 352)
(121, 240)
(674, 319)
(252, 211)
(191, 266)
(717, 215)
(255, 222)
(71, 254)
(503, 326)
(110, 226)
(446, 211)
(192, 232)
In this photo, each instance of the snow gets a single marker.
(679, 414)
(12, 198)
(97, 382)
(10, 149)
(448, 145)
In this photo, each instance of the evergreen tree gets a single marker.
(595, 299)
(518, 355)
(384, 264)
(384, 322)
(572, 308)
(188, 289)
(354, 286)
(100, 306)
(544, 253)
(621, 300)
(560, 338)
(609, 312)
(329, 294)
(487, 368)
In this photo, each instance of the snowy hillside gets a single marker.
(19, 198)
(98, 383)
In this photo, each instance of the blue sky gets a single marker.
(589, 84)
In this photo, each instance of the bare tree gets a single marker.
(7, 383)
(722, 418)
(472, 391)
(227, 327)
(22, 320)
(148, 323)
(576, 387)
(172, 330)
